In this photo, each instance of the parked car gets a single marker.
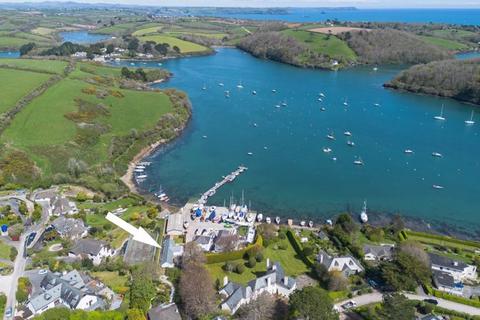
(30, 238)
(8, 312)
(350, 304)
(42, 271)
(431, 301)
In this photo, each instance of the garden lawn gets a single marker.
(445, 43)
(48, 66)
(442, 242)
(292, 265)
(328, 45)
(4, 251)
(113, 280)
(16, 84)
(185, 46)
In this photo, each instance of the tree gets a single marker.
(162, 48)
(196, 290)
(228, 243)
(337, 281)
(133, 44)
(23, 208)
(37, 213)
(268, 233)
(346, 222)
(312, 303)
(26, 48)
(176, 49)
(110, 48)
(192, 254)
(152, 212)
(397, 306)
(82, 196)
(135, 314)
(142, 288)
(261, 308)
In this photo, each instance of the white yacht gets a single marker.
(250, 153)
(322, 95)
(204, 137)
(310, 224)
(376, 104)
(204, 87)
(470, 122)
(274, 91)
(347, 133)
(345, 103)
(268, 220)
(221, 84)
(277, 220)
(302, 223)
(254, 92)
(327, 150)
(358, 162)
(363, 213)
(440, 117)
(408, 151)
(259, 217)
(323, 109)
(375, 69)
(142, 176)
(436, 186)
(437, 154)
(330, 136)
(240, 86)
(284, 103)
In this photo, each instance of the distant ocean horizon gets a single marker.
(451, 16)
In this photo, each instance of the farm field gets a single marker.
(185, 46)
(43, 66)
(16, 84)
(8, 42)
(324, 44)
(445, 43)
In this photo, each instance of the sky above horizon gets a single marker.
(292, 3)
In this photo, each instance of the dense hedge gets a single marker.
(298, 248)
(444, 238)
(454, 298)
(233, 255)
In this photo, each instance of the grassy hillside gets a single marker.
(185, 46)
(16, 84)
(42, 66)
(85, 127)
(324, 44)
(445, 43)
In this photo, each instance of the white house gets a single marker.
(345, 264)
(273, 282)
(460, 271)
(92, 249)
(444, 282)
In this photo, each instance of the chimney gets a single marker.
(455, 263)
(225, 281)
(268, 263)
(274, 267)
(269, 282)
(321, 257)
(285, 280)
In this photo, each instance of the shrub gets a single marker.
(283, 246)
(239, 268)
(259, 257)
(13, 253)
(252, 262)
(228, 266)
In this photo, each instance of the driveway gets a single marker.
(377, 297)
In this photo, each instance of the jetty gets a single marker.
(226, 179)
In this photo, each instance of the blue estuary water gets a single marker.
(83, 37)
(454, 16)
(9, 54)
(289, 172)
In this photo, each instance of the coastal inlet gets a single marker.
(317, 143)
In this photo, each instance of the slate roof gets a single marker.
(167, 251)
(88, 246)
(203, 240)
(69, 227)
(381, 251)
(61, 205)
(443, 279)
(164, 312)
(441, 261)
(175, 223)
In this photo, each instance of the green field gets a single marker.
(12, 42)
(117, 29)
(48, 66)
(16, 84)
(116, 282)
(292, 265)
(453, 33)
(443, 241)
(43, 31)
(146, 31)
(445, 43)
(324, 44)
(185, 46)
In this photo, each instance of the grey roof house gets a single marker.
(70, 228)
(378, 252)
(459, 270)
(275, 281)
(66, 290)
(164, 312)
(95, 250)
(170, 250)
(348, 265)
(445, 282)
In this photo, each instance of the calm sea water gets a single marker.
(454, 16)
(83, 37)
(9, 54)
(289, 174)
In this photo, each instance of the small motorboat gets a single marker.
(250, 153)
(277, 220)
(204, 87)
(323, 109)
(327, 150)
(322, 95)
(351, 143)
(470, 122)
(347, 133)
(274, 91)
(437, 155)
(310, 224)
(240, 86)
(436, 186)
(204, 137)
(408, 151)
(268, 220)
(302, 223)
(221, 84)
(376, 104)
(254, 92)
(259, 217)
(330, 136)
(185, 224)
(284, 104)
(363, 213)
(358, 162)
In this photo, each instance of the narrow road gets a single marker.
(19, 268)
(377, 297)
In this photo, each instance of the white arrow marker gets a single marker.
(139, 234)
